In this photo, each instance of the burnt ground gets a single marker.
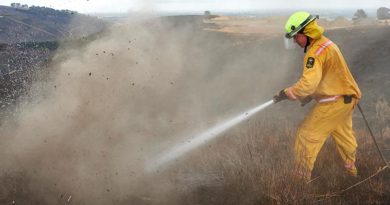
(19, 68)
(366, 50)
(41, 24)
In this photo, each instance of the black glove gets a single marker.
(306, 100)
(280, 96)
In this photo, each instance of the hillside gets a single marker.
(44, 24)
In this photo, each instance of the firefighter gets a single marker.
(327, 79)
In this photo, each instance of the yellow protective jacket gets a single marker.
(325, 72)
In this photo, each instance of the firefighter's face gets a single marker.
(300, 39)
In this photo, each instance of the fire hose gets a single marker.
(372, 135)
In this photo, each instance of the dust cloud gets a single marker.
(126, 96)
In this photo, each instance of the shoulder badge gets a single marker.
(310, 62)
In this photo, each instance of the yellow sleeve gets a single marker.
(311, 77)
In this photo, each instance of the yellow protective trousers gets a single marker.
(325, 119)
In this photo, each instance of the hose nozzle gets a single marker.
(280, 96)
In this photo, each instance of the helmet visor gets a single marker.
(289, 43)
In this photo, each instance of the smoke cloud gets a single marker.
(134, 91)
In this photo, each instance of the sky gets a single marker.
(113, 6)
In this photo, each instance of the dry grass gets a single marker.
(272, 25)
(251, 164)
(255, 167)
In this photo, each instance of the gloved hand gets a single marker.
(280, 96)
(306, 100)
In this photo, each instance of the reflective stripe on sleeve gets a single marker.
(323, 46)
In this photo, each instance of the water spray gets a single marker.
(202, 138)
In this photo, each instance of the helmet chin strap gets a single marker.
(307, 43)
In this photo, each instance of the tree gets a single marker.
(359, 14)
(207, 14)
(383, 13)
